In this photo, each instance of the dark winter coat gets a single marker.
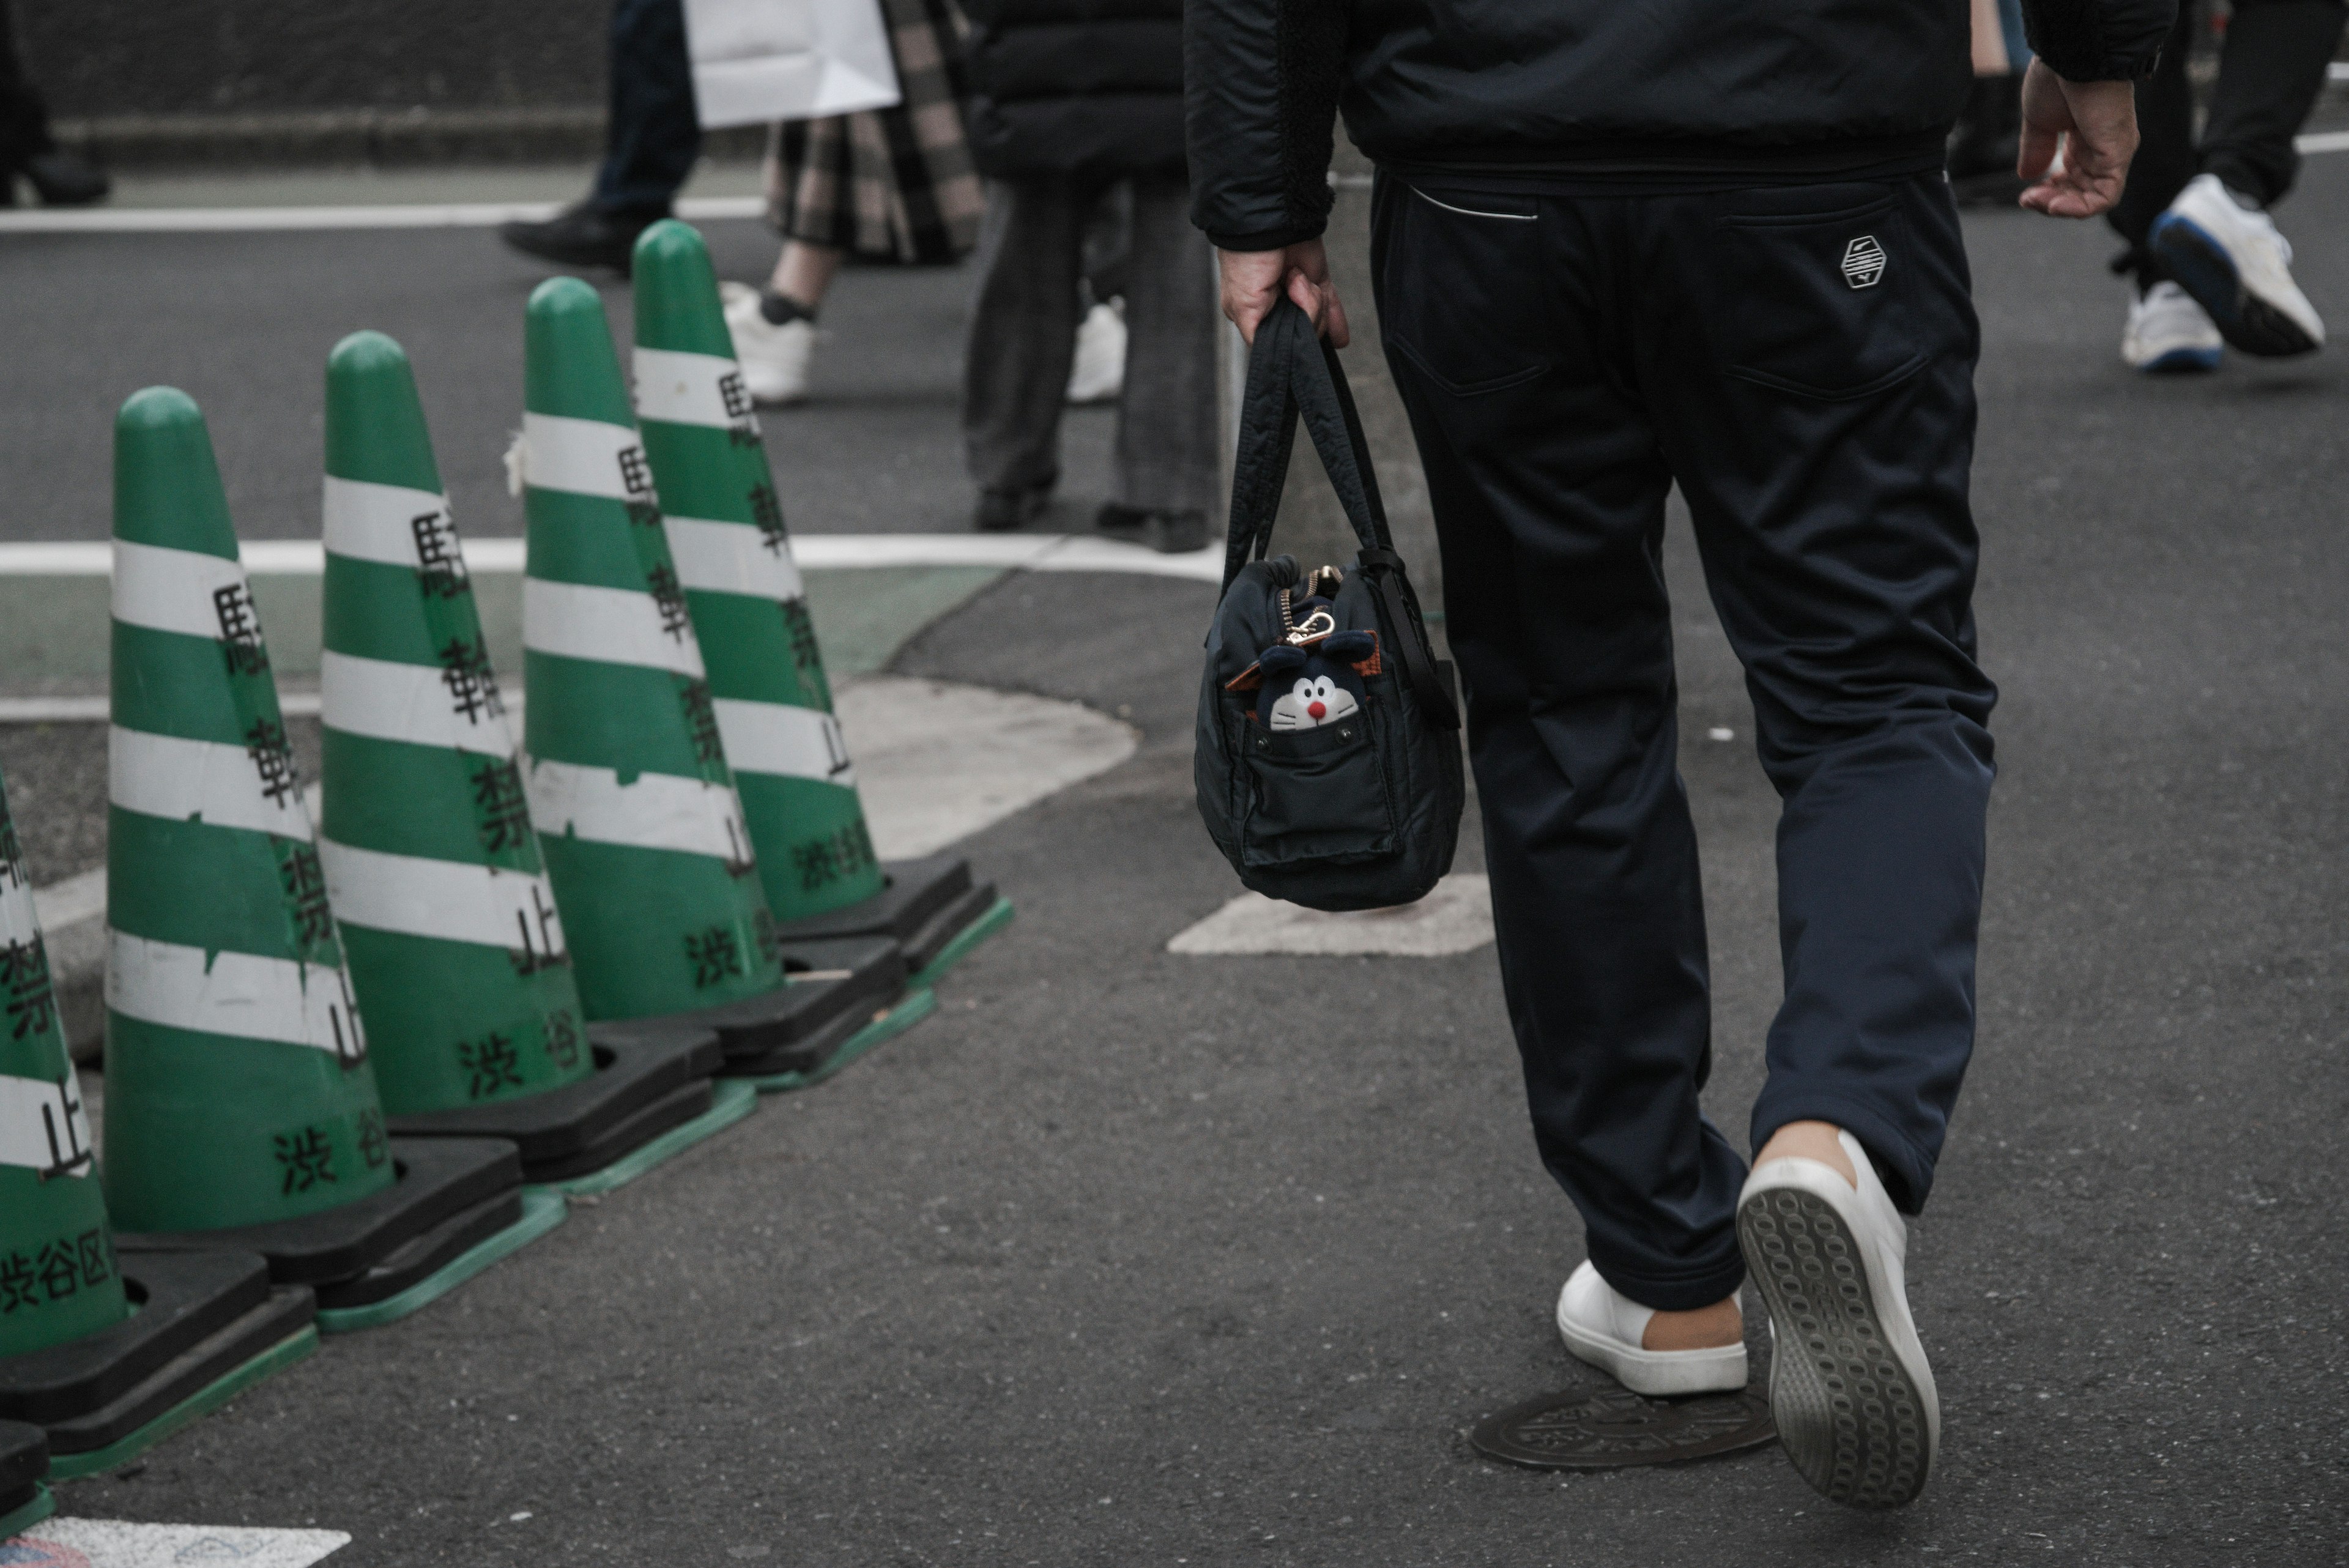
(1076, 87)
(1776, 88)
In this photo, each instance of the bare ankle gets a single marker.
(1821, 1141)
(1705, 1328)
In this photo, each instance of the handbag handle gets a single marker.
(1293, 374)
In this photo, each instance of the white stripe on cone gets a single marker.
(584, 457)
(653, 811)
(242, 994)
(732, 558)
(43, 1126)
(680, 388)
(417, 704)
(610, 626)
(775, 738)
(391, 524)
(184, 591)
(19, 921)
(444, 898)
(207, 781)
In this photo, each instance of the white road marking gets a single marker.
(378, 215)
(116, 1543)
(1456, 917)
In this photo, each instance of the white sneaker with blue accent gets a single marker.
(2230, 257)
(2169, 333)
(1603, 1326)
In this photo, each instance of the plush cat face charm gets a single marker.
(1305, 687)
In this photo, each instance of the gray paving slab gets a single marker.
(1128, 1257)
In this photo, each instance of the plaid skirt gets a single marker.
(887, 184)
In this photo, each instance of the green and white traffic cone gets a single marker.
(626, 769)
(101, 1382)
(58, 1279)
(241, 1107)
(456, 951)
(733, 556)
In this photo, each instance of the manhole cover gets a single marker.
(1585, 1432)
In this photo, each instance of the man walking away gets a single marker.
(1703, 242)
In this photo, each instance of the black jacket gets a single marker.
(1076, 87)
(1602, 86)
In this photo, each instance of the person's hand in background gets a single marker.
(1253, 282)
(2093, 124)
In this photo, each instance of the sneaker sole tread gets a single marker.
(2204, 270)
(1851, 1417)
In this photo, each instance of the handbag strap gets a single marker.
(1293, 374)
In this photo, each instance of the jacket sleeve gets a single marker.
(1260, 102)
(2098, 40)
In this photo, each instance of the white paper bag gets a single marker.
(759, 60)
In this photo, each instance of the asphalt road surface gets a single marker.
(1132, 1258)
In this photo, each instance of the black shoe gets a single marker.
(1168, 533)
(582, 235)
(1001, 511)
(64, 181)
(1987, 138)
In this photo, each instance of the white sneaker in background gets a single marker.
(1603, 1327)
(2168, 332)
(1850, 1387)
(2232, 259)
(1098, 374)
(774, 359)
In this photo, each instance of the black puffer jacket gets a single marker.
(1076, 87)
(1602, 86)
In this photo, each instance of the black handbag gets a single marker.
(1328, 761)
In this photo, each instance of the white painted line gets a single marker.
(113, 1543)
(731, 558)
(813, 552)
(73, 900)
(213, 781)
(584, 457)
(2323, 141)
(388, 523)
(185, 591)
(417, 704)
(244, 995)
(1456, 917)
(610, 626)
(652, 811)
(445, 899)
(45, 1128)
(776, 737)
(938, 762)
(384, 215)
(692, 390)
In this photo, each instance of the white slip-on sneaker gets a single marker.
(2233, 260)
(774, 359)
(1849, 1388)
(2169, 333)
(1097, 375)
(1602, 1326)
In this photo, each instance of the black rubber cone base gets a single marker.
(635, 1069)
(200, 1315)
(24, 1460)
(438, 1179)
(674, 1110)
(423, 1256)
(837, 987)
(1585, 1432)
(925, 904)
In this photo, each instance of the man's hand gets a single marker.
(2093, 123)
(1253, 282)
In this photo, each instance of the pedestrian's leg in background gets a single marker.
(1167, 457)
(655, 134)
(2165, 149)
(2270, 71)
(27, 148)
(1548, 491)
(1015, 365)
(1099, 374)
(1988, 136)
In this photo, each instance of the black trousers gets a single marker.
(655, 134)
(1800, 361)
(2269, 71)
(24, 118)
